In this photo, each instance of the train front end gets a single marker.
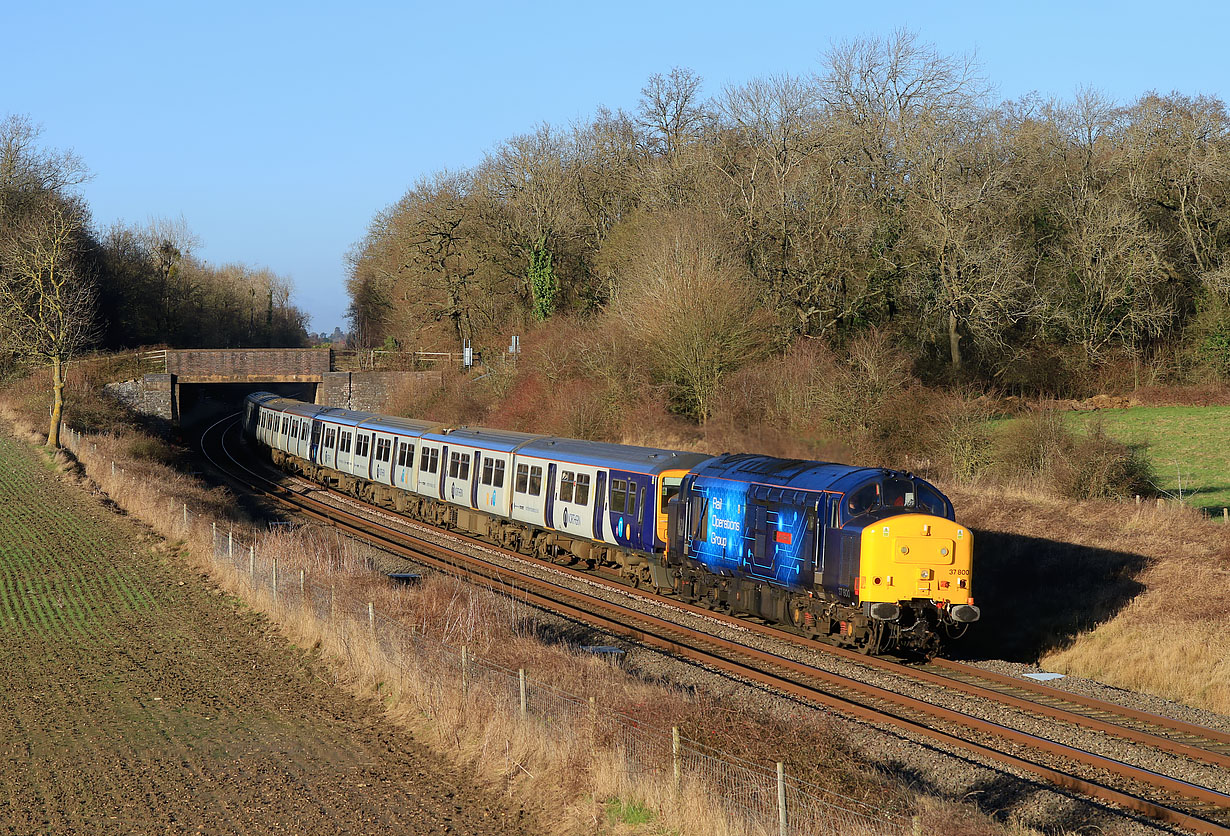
(915, 579)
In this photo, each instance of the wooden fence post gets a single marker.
(781, 799)
(676, 756)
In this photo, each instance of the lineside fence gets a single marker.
(758, 801)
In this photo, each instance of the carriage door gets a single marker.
(443, 469)
(316, 430)
(550, 518)
(637, 488)
(478, 466)
(599, 503)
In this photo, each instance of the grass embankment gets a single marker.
(572, 785)
(1188, 447)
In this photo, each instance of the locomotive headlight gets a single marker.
(905, 549)
(944, 551)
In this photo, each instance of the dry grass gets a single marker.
(1135, 596)
(554, 769)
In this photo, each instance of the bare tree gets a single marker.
(47, 300)
(689, 300)
(670, 110)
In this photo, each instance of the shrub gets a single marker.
(1097, 466)
(1079, 466)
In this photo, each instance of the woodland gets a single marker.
(1033, 247)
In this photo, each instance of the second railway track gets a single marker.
(1198, 808)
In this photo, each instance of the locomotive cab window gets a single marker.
(670, 489)
(932, 502)
(863, 500)
(899, 493)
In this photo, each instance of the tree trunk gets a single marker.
(954, 341)
(57, 402)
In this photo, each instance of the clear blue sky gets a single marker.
(279, 129)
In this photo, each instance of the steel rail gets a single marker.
(672, 638)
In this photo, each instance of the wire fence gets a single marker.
(766, 800)
(756, 800)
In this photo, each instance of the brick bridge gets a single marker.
(314, 368)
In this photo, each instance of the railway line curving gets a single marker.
(1189, 804)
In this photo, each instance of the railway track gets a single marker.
(1197, 808)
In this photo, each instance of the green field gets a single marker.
(1186, 444)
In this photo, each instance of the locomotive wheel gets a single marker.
(798, 613)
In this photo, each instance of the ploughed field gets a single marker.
(136, 699)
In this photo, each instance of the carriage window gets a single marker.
(535, 481)
(425, 460)
(640, 507)
(498, 478)
(619, 495)
(465, 466)
(454, 464)
(384, 449)
(566, 480)
(285, 424)
(345, 446)
(303, 430)
(866, 498)
(405, 455)
(582, 494)
(899, 493)
(330, 437)
(523, 479)
(488, 470)
(433, 460)
(362, 444)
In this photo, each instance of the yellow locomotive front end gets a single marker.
(918, 563)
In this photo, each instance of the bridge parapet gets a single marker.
(226, 365)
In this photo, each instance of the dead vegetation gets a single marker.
(547, 768)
